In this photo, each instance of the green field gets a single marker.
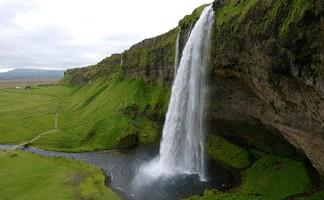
(29, 176)
(101, 115)
(12, 83)
(105, 114)
(24, 114)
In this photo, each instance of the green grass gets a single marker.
(24, 114)
(316, 196)
(269, 178)
(104, 114)
(222, 150)
(29, 176)
(234, 11)
(191, 19)
(296, 10)
(217, 195)
(155, 51)
(275, 177)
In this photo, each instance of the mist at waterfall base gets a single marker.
(182, 150)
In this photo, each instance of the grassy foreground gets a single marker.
(28, 176)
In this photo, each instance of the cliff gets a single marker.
(266, 73)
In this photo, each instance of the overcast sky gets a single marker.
(60, 34)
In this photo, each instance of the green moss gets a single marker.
(222, 150)
(150, 52)
(316, 196)
(276, 177)
(191, 19)
(280, 13)
(296, 10)
(233, 12)
(217, 195)
(269, 178)
(147, 128)
(29, 176)
(276, 8)
(254, 135)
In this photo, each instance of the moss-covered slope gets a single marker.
(107, 114)
(104, 114)
(264, 176)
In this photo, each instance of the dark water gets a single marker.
(122, 166)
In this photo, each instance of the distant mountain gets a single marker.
(31, 74)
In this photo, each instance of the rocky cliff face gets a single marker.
(266, 74)
(268, 70)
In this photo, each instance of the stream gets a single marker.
(121, 166)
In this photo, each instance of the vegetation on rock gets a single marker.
(222, 150)
(269, 178)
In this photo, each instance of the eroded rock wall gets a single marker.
(268, 66)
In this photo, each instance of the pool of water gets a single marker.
(121, 166)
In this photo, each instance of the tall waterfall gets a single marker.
(182, 145)
(176, 58)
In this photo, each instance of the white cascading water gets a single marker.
(176, 58)
(182, 145)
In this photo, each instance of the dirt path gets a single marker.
(56, 122)
(37, 137)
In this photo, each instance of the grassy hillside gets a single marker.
(29, 176)
(104, 114)
(109, 114)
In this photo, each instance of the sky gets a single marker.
(61, 34)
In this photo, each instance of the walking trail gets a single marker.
(18, 146)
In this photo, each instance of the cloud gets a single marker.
(52, 47)
(64, 34)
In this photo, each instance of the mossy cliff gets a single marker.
(267, 74)
(266, 100)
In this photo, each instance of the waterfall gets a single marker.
(176, 58)
(182, 145)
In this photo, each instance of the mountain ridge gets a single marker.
(30, 73)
